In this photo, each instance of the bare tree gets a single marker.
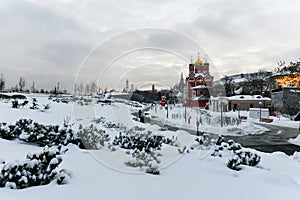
(87, 89)
(259, 82)
(93, 88)
(2, 82)
(81, 88)
(228, 85)
(22, 83)
(292, 68)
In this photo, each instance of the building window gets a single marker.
(235, 106)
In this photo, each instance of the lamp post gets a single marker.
(223, 102)
(167, 104)
(185, 111)
(239, 115)
(221, 114)
(260, 103)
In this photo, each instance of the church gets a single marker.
(197, 84)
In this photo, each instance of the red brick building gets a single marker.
(198, 83)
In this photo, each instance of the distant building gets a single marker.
(245, 102)
(286, 99)
(198, 82)
(285, 93)
(219, 104)
(178, 90)
(239, 102)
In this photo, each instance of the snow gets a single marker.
(249, 97)
(239, 80)
(295, 141)
(199, 87)
(102, 173)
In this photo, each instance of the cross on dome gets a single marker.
(198, 62)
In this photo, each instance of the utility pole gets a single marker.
(221, 114)
(57, 88)
(185, 111)
(260, 103)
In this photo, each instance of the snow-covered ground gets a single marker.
(295, 141)
(102, 174)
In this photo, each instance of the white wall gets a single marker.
(255, 113)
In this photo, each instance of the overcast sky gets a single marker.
(50, 41)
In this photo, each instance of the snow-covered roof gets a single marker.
(249, 97)
(239, 80)
(119, 93)
(298, 91)
(200, 98)
(179, 94)
(199, 74)
(199, 87)
(219, 98)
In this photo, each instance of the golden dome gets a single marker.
(198, 62)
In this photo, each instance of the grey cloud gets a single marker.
(51, 38)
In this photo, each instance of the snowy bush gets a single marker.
(92, 137)
(234, 163)
(200, 142)
(237, 154)
(33, 132)
(15, 103)
(63, 177)
(39, 169)
(222, 147)
(146, 161)
(243, 158)
(139, 140)
(98, 120)
(46, 106)
(24, 103)
(35, 104)
(203, 139)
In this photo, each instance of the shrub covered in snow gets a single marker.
(237, 154)
(39, 169)
(35, 104)
(133, 139)
(243, 158)
(33, 132)
(15, 103)
(222, 147)
(203, 141)
(146, 161)
(92, 137)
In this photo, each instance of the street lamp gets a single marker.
(185, 110)
(260, 103)
(239, 115)
(167, 108)
(223, 102)
(221, 114)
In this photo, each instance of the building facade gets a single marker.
(245, 102)
(198, 82)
